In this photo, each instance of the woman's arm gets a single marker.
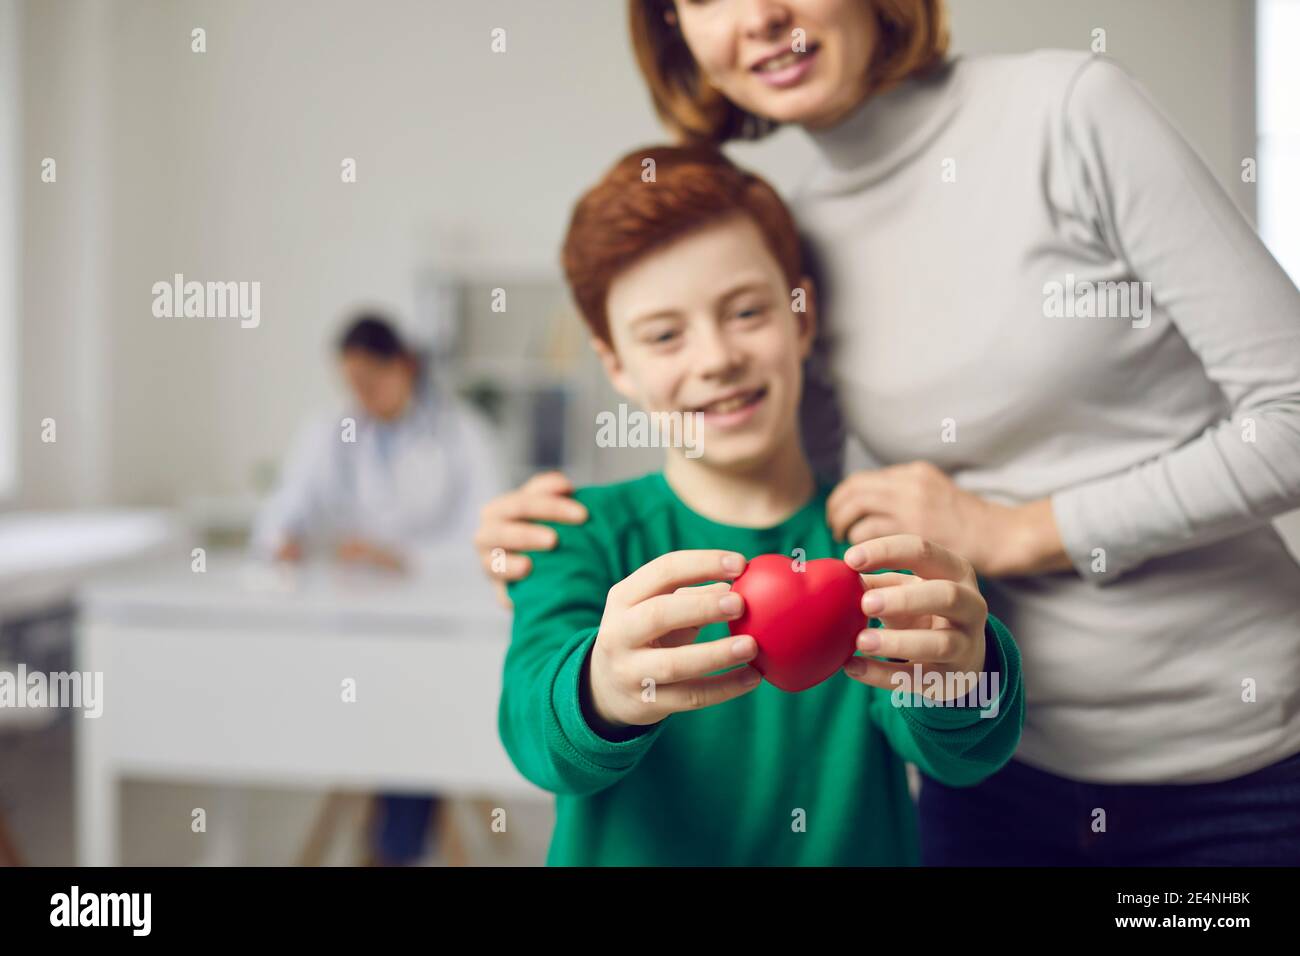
(918, 498)
(1159, 207)
(1155, 204)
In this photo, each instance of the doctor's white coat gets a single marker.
(414, 486)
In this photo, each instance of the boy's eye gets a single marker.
(661, 336)
(750, 312)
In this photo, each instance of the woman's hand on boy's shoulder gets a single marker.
(919, 498)
(914, 497)
(510, 524)
(645, 663)
(934, 617)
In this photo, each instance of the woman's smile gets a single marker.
(787, 68)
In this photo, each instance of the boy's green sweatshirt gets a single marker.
(770, 778)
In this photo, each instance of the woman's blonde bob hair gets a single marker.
(913, 40)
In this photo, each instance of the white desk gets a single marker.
(45, 554)
(236, 675)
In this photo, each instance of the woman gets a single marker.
(392, 482)
(1082, 370)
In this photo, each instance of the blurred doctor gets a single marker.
(396, 481)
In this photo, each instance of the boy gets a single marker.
(623, 692)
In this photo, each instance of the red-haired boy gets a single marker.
(623, 692)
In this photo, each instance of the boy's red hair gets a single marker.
(654, 195)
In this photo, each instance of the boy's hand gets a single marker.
(934, 617)
(508, 525)
(645, 664)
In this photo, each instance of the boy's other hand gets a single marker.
(508, 525)
(934, 617)
(645, 663)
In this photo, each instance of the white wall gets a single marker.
(10, 128)
(66, 318)
(225, 165)
(1196, 57)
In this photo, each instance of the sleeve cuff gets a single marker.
(1095, 561)
(566, 702)
(1000, 659)
(993, 664)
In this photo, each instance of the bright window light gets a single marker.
(1279, 130)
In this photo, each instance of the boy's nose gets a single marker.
(717, 355)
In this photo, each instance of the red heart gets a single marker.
(806, 622)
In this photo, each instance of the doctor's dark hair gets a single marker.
(630, 212)
(375, 335)
(913, 39)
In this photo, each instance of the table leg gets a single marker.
(97, 812)
(451, 841)
(9, 855)
(227, 820)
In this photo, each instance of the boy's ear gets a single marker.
(806, 320)
(614, 370)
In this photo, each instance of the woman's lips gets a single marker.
(792, 74)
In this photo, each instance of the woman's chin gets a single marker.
(805, 106)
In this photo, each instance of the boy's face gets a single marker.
(707, 323)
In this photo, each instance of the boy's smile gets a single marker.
(734, 409)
